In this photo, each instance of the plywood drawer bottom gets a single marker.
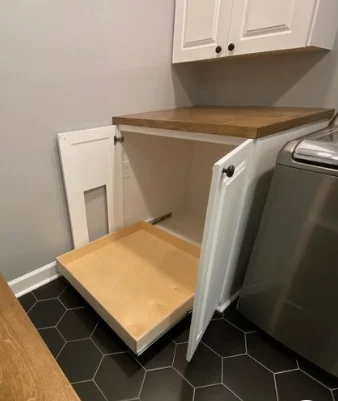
(141, 280)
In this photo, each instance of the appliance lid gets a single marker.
(320, 149)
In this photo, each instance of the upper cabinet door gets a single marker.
(201, 29)
(226, 198)
(262, 26)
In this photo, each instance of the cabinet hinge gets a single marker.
(118, 139)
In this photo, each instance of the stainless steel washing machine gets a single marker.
(291, 285)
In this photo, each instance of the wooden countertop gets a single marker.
(245, 122)
(28, 370)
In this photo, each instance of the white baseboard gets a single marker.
(35, 279)
(222, 307)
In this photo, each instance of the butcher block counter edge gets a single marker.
(28, 370)
(244, 122)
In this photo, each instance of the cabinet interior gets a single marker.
(167, 175)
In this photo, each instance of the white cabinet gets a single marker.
(215, 29)
(200, 29)
(142, 279)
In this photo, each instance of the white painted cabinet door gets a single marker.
(262, 26)
(224, 208)
(201, 26)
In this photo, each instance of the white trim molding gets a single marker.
(35, 279)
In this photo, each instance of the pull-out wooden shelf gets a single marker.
(141, 280)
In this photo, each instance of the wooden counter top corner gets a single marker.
(28, 370)
(245, 122)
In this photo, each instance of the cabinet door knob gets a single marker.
(218, 49)
(231, 47)
(229, 171)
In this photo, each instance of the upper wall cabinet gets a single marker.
(207, 29)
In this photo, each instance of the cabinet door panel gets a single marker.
(201, 26)
(224, 209)
(260, 25)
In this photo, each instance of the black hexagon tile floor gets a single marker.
(120, 377)
(53, 340)
(79, 360)
(46, 313)
(234, 362)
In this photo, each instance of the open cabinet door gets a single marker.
(90, 159)
(224, 208)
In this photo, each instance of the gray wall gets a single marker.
(297, 79)
(68, 65)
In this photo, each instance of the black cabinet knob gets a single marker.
(229, 171)
(218, 49)
(231, 47)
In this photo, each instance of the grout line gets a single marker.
(31, 307)
(95, 328)
(234, 356)
(161, 368)
(32, 292)
(142, 384)
(100, 390)
(193, 394)
(211, 349)
(286, 371)
(98, 367)
(61, 318)
(172, 364)
(57, 329)
(254, 359)
(332, 395)
(62, 292)
(78, 339)
(208, 385)
(135, 359)
(246, 344)
(59, 353)
(90, 339)
(316, 380)
(297, 363)
(232, 324)
(75, 308)
(232, 392)
(82, 381)
(183, 377)
(275, 383)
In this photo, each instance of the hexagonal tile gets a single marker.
(27, 301)
(88, 391)
(165, 385)
(270, 353)
(78, 324)
(204, 369)
(120, 377)
(224, 338)
(50, 290)
(234, 317)
(79, 360)
(296, 385)
(319, 374)
(214, 393)
(53, 340)
(159, 355)
(46, 313)
(107, 340)
(248, 379)
(180, 332)
(71, 298)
